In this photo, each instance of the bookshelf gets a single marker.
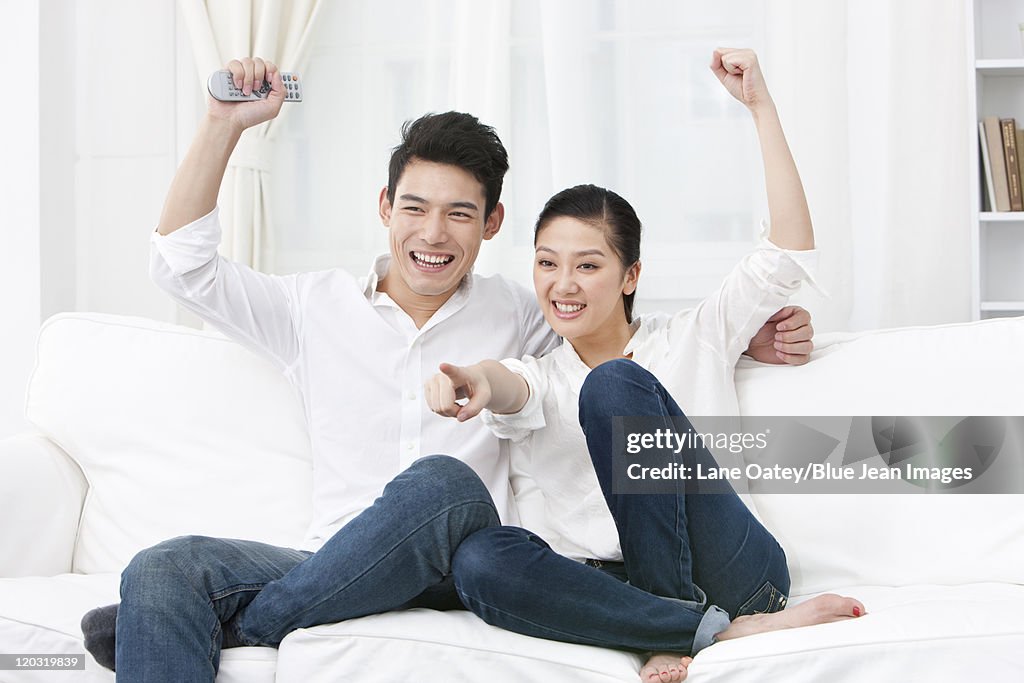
(996, 58)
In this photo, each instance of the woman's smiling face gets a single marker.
(579, 279)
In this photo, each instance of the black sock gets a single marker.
(99, 626)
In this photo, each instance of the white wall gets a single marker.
(85, 166)
(19, 207)
(126, 150)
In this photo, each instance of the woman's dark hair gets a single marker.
(605, 210)
(456, 139)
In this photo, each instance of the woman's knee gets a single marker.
(617, 370)
(612, 384)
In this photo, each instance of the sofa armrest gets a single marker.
(41, 494)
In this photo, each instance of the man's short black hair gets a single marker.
(457, 139)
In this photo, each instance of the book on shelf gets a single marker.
(1002, 164)
(1019, 134)
(993, 141)
(1009, 131)
(988, 197)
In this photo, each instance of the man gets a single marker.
(359, 353)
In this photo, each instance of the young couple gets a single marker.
(392, 529)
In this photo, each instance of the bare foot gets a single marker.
(665, 667)
(820, 610)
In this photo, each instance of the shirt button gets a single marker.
(409, 446)
(411, 396)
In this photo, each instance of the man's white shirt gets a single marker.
(358, 362)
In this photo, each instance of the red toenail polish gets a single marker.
(856, 611)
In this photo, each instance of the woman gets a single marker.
(669, 573)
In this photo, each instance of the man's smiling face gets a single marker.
(436, 226)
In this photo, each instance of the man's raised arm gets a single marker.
(255, 309)
(194, 190)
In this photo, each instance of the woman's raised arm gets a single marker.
(740, 73)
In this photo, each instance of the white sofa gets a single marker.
(148, 431)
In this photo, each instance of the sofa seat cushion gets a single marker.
(927, 632)
(912, 633)
(933, 633)
(439, 647)
(41, 616)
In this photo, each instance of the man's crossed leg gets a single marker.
(186, 598)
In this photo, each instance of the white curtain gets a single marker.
(605, 91)
(277, 30)
(478, 74)
(873, 96)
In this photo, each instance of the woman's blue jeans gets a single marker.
(691, 564)
(183, 599)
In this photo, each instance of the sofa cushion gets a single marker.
(177, 431)
(914, 633)
(431, 646)
(962, 369)
(933, 633)
(900, 539)
(42, 492)
(42, 615)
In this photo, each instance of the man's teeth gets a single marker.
(569, 308)
(432, 260)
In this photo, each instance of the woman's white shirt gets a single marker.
(693, 353)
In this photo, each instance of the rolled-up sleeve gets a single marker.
(186, 249)
(758, 286)
(786, 267)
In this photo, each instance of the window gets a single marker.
(611, 92)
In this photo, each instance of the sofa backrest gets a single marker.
(180, 431)
(898, 539)
(177, 431)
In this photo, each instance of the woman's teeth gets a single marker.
(569, 308)
(431, 260)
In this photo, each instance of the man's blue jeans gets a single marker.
(181, 599)
(691, 562)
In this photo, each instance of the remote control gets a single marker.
(222, 87)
